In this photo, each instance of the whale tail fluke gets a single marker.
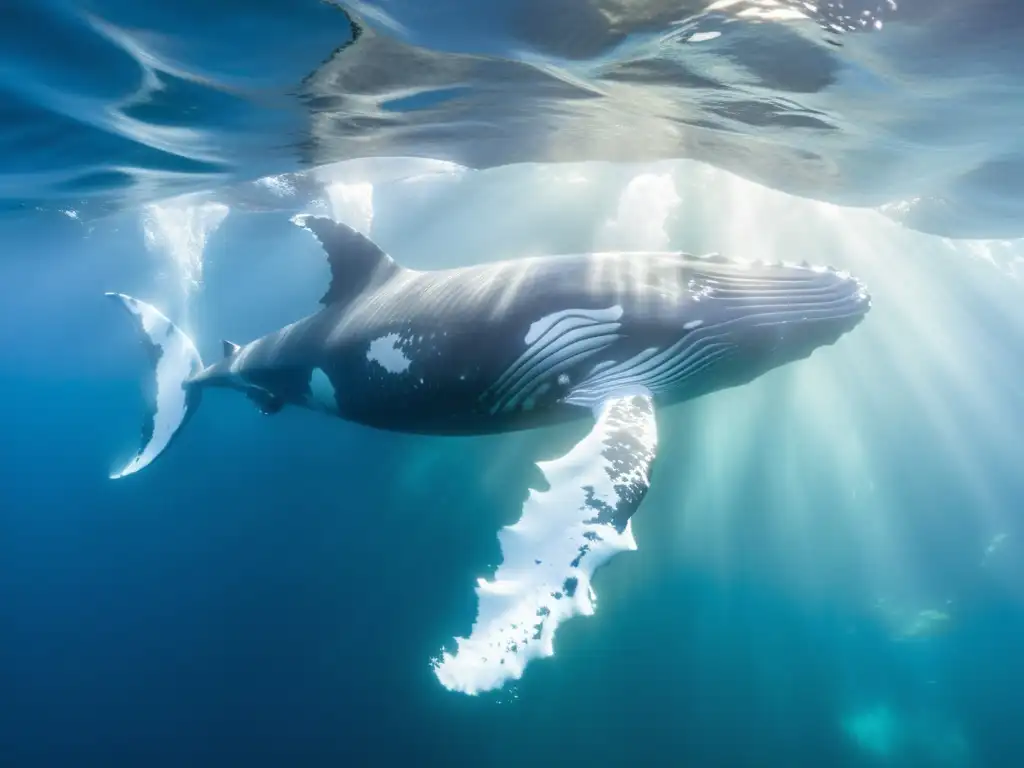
(170, 400)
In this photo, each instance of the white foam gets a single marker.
(352, 204)
(280, 186)
(645, 208)
(178, 230)
(557, 539)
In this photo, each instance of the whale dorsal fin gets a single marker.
(356, 262)
(230, 348)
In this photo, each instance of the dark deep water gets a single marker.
(812, 585)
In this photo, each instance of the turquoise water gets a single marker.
(827, 570)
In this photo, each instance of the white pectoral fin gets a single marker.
(550, 555)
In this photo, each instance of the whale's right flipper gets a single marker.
(564, 535)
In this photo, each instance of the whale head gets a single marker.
(751, 317)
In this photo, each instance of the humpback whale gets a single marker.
(512, 345)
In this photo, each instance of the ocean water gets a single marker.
(828, 569)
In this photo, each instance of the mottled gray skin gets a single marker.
(460, 331)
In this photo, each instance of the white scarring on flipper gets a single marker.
(564, 535)
(176, 359)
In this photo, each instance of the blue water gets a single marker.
(828, 571)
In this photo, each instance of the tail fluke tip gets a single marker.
(174, 361)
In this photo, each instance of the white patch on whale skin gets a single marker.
(322, 393)
(552, 552)
(386, 353)
(693, 324)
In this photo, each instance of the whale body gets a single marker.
(499, 347)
